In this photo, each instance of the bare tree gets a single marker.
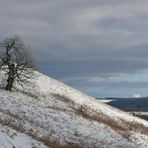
(16, 62)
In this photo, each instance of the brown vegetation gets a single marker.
(121, 126)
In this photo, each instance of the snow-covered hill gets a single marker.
(56, 115)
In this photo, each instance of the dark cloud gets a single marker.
(79, 40)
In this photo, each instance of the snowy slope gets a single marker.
(58, 115)
(10, 138)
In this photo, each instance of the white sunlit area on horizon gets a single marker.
(99, 47)
(124, 86)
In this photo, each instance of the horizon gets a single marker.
(98, 47)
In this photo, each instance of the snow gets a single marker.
(10, 138)
(48, 109)
(105, 100)
(141, 140)
(46, 85)
(65, 125)
(138, 113)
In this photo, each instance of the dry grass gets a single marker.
(64, 99)
(46, 140)
(56, 144)
(137, 127)
(101, 118)
(49, 140)
(89, 114)
(120, 126)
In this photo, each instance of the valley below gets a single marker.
(135, 106)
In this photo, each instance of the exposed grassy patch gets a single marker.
(137, 127)
(119, 125)
(87, 113)
(64, 99)
(14, 122)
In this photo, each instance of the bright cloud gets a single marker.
(136, 95)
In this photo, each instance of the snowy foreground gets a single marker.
(48, 113)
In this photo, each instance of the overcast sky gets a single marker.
(97, 46)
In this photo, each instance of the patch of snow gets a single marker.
(140, 139)
(105, 100)
(10, 138)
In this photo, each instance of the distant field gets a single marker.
(133, 105)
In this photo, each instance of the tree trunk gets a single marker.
(10, 79)
(9, 85)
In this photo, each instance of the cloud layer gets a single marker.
(87, 44)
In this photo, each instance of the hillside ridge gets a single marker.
(58, 116)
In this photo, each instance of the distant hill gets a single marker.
(129, 104)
